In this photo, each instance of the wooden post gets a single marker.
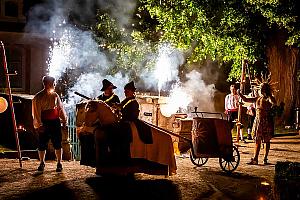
(11, 102)
(242, 83)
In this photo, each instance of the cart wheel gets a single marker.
(230, 165)
(198, 161)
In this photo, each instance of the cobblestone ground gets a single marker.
(190, 182)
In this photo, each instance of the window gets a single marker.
(15, 55)
(11, 8)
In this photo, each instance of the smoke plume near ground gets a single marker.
(193, 92)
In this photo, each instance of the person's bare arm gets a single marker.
(246, 99)
(63, 115)
(36, 114)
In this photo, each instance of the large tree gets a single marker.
(225, 30)
(261, 31)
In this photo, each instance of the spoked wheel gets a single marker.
(198, 161)
(229, 165)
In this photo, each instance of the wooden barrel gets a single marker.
(211, 137)
(204, 138)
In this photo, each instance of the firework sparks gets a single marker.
(60, 54)
(166, 68)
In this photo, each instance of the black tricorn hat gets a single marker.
(130, 86)
(106, 83)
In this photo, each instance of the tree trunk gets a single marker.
(283, 62)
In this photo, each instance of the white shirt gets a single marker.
(231, 102)
(46, 101)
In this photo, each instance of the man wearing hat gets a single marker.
(108, 95)
(130, 113)
(129, 106)
(117, 137)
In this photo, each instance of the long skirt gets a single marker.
(263, 128)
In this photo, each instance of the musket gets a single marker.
(83, 96)
(11, 102)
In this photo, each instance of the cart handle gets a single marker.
(210, 113)
(189, 141)
(167, 131)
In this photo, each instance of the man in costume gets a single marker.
(117, 137)
(108, 95)
(48, 113)
(129, 106)
(232, 107)
(88, 140)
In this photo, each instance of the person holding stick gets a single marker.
(263, 126)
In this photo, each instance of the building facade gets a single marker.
(26, 52)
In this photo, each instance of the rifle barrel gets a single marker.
(83, 96)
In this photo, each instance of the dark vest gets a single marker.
(130, 109)
(130, 112)
(109, 100)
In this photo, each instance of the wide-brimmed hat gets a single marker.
(106, 83)
(130, 86)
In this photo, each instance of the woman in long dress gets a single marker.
(263, 126)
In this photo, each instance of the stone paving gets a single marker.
(190, 182)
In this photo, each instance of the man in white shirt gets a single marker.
(48, 113)
(232, 108)
(232, 105)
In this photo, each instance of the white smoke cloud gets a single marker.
(87, 84)
(191, 93)
(43, 16)
(178, 99)
(201, 93)
(168, 62)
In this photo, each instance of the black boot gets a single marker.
(59, 167)
(41, 167)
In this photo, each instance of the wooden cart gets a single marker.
(211, 138)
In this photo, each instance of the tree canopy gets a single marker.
(127, 46)
(224, 30)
